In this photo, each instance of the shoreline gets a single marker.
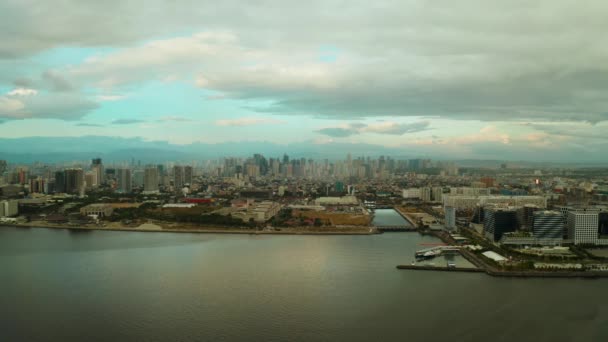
(482, 266)
(209, 230)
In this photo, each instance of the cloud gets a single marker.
(56, 82)
(247, 121)
(28, 103)
(126, 121)
(337, 132)
(22, 92)
(383, 127)
(458, 60)
(109, 98)
(84, 124)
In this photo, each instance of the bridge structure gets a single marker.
(404, 228)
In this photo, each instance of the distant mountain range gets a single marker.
(117, 149)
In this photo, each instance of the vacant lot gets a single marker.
(335, 219)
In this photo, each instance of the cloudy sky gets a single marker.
(469, 79)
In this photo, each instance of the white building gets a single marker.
(437, 193)
(9, 208)
(583, 228)
(425, 194)
(470, 202)
(344, 200)
(470, 191)
(411, 193)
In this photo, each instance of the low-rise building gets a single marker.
(99, 209)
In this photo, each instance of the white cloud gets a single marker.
(22, 92)
(10, 108)
(111, 97)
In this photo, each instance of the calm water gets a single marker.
(388, 217)
(100, 286)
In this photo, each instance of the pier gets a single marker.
(395, 228)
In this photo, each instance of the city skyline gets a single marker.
(418, 78)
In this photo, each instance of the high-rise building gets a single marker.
(583, 227)
(60, 182)
(123, 181)
(425, 194)
(498, 221)
(178, 177)
(188, 175)
(74, 181)
(603, 223)
(547, 225)
(450, 218)
(151, 180)
(437, 193)
(37, 185)
(97, 166)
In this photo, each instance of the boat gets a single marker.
(428, 254)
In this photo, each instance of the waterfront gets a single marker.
(389, 217)
(65, 285)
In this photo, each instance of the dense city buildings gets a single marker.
(507, 205)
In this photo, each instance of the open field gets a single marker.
(335, 219)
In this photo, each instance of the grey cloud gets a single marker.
(56, 82)
(337, 132)
(463, 60)
(126, 121)
(23, 82)
(384, 127)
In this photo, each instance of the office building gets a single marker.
(547, 225)
(450, 218)
(97, 167)
(150, 180)
(74, 181)
(178, 177)
(188, 174)
(498, 221)
(123, 181)
(583, 227)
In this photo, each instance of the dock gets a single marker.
(439, 268)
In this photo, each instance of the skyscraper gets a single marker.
(178, 177)
(450, 218)
(123, 179)
(97, 166)
(188, 175)
(151, 180)
(74, 181)
(60, 181)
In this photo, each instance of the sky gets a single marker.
(469, 79)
